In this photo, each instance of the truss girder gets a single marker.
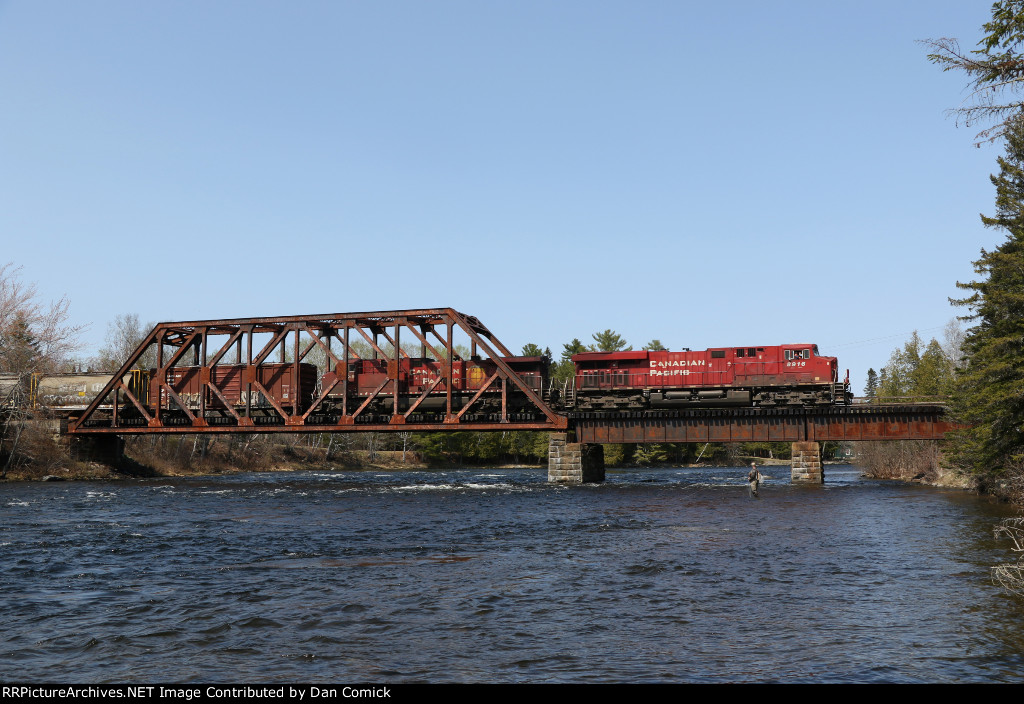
(187, 393)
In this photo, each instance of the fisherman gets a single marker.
(753, 480)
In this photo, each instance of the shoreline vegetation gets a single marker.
(198, 456)
(387, 461)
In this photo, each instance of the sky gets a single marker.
(706, 174)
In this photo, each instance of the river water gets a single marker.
(667, 575)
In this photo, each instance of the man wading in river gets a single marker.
(754, 480)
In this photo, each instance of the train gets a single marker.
(788, 375)
(793, 375)
(369, 383)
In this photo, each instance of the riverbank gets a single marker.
(140, 467)
(136, 467)
(152, 459)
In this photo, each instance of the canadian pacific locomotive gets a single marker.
(781, 375)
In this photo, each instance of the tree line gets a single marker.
(981, 370)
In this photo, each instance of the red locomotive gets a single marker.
(782, 375)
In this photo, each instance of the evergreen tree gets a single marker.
(898, 375)
(19, 348)
(532, 350)
(989, 393)
(609, 341)
(871, 387)
(912, 372)
(883, 381)
(647, 454)
(934, 373)
(655, 346)
(571, 348)
(995, 70)
(564, 369)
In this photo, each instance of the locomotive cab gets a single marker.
(807, 378)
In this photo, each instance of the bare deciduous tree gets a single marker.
(35, 338)
(124, 336)
(53, 338)
(1011, 576)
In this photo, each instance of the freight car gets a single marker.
(231, 381)
(364, 383)
(781, 375)
(415, 375)
(72, 391)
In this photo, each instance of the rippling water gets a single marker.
(671, 575)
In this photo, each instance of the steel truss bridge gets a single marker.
(249, 347)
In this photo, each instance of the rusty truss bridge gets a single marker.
(411, 370)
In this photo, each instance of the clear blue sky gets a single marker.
(707, 174)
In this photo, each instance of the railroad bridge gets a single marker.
(422, 370)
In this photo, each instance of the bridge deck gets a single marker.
(838, 423)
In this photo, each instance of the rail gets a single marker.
(900, 400)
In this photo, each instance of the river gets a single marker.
(477, 575)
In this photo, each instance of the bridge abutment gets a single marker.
(574, 462)
(105, 449)
(807, 467)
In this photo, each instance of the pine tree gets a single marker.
(564, 369)
(883, 382)
(871, 388)
(989, 393)
(897, 378)
(995, 70)
(19, 348)
(933, 375)
(609, 341)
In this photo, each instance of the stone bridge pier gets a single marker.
(574, 462)
(806, 463)
(581, 463)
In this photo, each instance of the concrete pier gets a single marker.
(807, 467)
(574, 462)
